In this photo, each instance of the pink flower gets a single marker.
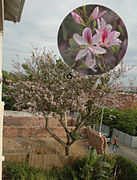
(77, 19)
(90, 43)
(95, 14)
(108, 38)
(90, 62)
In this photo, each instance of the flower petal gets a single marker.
(101, 14)
(112, 39)
(79, 39)
(109, 27)
(116, 34)
(90, 62)
(103, 24)
(95, 13)
(97, 50)
(96, 38)
(87, 34)
(98, 23)
(88, 59)
(81, 54)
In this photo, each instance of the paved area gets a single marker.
(130, 153)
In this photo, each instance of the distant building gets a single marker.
(124, 100)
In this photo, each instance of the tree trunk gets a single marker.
(67, 150)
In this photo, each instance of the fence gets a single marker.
(44, 161)
(18, 157)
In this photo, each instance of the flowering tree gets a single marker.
(42, 87)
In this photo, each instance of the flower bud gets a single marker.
(77, 19)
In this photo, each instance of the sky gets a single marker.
(40, 22)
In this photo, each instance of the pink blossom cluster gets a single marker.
(53, 92)
(94, 41)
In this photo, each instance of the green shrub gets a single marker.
(103, 168)
(9, 101)
(126, 169)
(15, 171)
(125, 120)
(91, 167)
(21, 171)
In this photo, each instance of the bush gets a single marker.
(126, 169)
(22, 171)
(125, 120)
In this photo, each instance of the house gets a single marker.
(10, 10)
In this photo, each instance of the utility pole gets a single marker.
(101, 120)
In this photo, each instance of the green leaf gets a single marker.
(82, 66)
(115, 49)
(69, 60)
(25, 66)
(108, 67)
(104, 164)
(73, 44)
(92, 157)
(97, 55)
(71, 26)
(84, 9)
(94, 24)
(101, 68)
(102, 176)
(64, 32)
(121, 30)
(89, 20)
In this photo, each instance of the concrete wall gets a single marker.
(17, 113)
(134, 142)
(126, 139)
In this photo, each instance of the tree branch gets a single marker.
(52, 134)
(60, 120)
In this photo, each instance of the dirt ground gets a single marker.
(42, 145)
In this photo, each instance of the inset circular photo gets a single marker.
(92, 39)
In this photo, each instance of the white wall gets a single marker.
(17, 113)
